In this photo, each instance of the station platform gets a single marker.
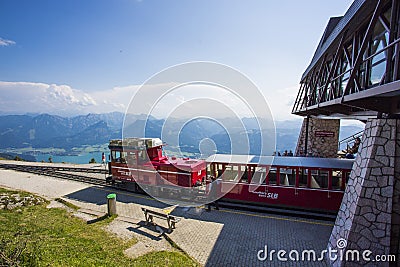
(222, 237)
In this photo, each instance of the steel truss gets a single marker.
(358, 74)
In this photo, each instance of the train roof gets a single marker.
(136, 142)
(310, 162)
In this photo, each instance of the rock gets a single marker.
(16, 197)
(10, 206)
(12, 201)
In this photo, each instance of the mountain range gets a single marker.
(19, 131)
(226, 136)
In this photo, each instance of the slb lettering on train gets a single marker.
(268, 195)
(272, 195)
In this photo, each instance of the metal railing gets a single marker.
(325, 84)
(349, 141)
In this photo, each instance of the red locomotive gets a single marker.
(140, 160)
(292, 182)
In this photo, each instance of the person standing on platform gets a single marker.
(103, 158)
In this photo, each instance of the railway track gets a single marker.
(66, 173)
(55, 168)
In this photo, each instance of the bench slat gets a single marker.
(160, 215)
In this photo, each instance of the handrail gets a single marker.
(350, 139)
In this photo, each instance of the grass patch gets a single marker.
(37, 236)
(10, 192)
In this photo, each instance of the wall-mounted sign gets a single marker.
(324, 134)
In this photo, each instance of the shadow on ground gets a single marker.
(98, 195)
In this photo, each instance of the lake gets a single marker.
(77, 159)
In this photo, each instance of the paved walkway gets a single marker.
(217, 238)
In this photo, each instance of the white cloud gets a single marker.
(23, 97)
(5, 42)
(29, 97)
(198, 99)
(115, 99)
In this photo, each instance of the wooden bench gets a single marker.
(171, 219)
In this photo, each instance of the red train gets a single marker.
(145, 159)
(293, 182)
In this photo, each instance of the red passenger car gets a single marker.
(292, 182)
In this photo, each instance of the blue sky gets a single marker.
(91, 54)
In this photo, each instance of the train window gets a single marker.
(214, 170)
(319, 179)
(259, 176)
(272, 176)
(220, 168)
(235, 168)
(142, 155)
(116, 156)
(230, 174)
(113, 155)
(337, 177)
(131, 157)
(244, 174)
(287, 176)
(120, 157)
(303, 175)
(314, 183)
